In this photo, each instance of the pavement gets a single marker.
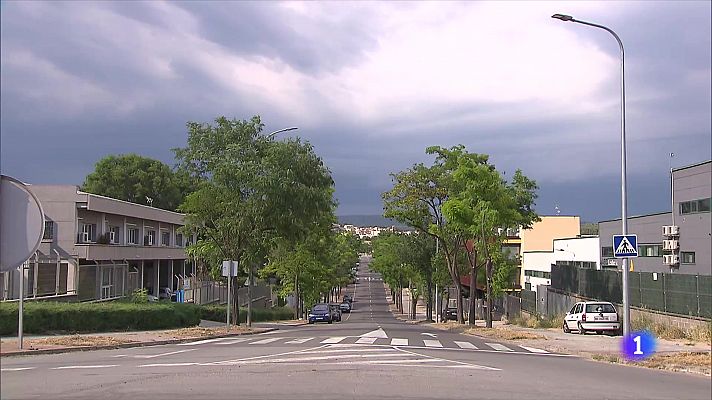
(369, 355)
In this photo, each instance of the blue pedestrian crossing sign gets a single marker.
(625, 246)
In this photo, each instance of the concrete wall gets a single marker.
(542, 233)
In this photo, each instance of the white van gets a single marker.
(597, 316)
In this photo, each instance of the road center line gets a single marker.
(86, 366)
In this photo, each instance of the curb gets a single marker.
(129, 345)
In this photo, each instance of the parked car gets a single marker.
(596, 316)
(450, 314)
(348, 298)
(336, 311)
(320, 313)
(345, 307)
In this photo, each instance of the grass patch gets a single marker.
(701, 333)
(77, 340)
(611, 358)
(505, 334)
(538, 321)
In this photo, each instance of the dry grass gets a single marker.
(538, 322)
(78, 340)
(701, 333)
(196, 331)
(700, 362)
(504, 334)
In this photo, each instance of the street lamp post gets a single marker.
(292, 128)
(624, 198)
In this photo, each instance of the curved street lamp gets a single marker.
(292, 128)
(624, 198)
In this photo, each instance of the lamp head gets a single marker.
(563, 17)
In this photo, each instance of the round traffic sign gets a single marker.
(21, 223)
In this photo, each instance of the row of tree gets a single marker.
(465, 205)
(267, 204)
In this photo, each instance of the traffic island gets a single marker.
(118, 340)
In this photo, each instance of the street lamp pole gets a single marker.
(624, 198)
(292, 128)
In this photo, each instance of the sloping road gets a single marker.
(370, 355)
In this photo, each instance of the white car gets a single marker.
(596, 316)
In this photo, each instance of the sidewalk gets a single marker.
(674, 355)
(45, 344)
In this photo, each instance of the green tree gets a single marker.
(252, 191)
(137, 179)
(481, 208)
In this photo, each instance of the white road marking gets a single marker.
(366, 340)
(85, 366)
(466, 345)
(300, 341)
(429, 334)
(432, 343)
(335, 339)
(201, 342)
(168, 365)
(499, 347)
(233, 341)
(317, 358)
(378, 333)
(15, 369)
(357, 349)
(265, 341)
(399, 342)
(161, 355)
(422, 360)
(534, 350)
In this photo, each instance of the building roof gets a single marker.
(692, 165)
(637, 216)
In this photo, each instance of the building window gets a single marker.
(150, 238)
(607, 251)
(695, 206)
(687, 257)
(179, 239)
(132, 236)
(650, 250)
(165, 238)
(88, 233)
(48, 230)
(114, 234)
(528, 286)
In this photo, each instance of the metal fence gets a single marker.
(528, 301)
(681, 294)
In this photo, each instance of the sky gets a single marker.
(370, 85)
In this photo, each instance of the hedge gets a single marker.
(49, 317)
(218, 313)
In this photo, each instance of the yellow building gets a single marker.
(540, 237)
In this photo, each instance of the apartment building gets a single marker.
(678, 240)
(97, 248)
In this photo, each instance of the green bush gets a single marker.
(45, 317)
(218, 313)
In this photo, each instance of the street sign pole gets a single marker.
(229, 297)
(625, 246)
(20, 308)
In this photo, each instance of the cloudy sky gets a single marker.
(370, 84)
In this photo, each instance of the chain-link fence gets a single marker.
(681, 294)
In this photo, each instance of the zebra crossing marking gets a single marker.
(499, 347)
(366, 340)
(399, 342)
(432, 343)
(300, 341)
(534, 350)
(465, 345)
(265, 341)
(335, 339)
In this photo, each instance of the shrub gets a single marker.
(46, 317)
(701, 333)
(218, 313)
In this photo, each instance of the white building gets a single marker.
(579, 251)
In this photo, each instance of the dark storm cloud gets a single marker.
(83, 80)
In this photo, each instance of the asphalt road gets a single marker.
(369, 355)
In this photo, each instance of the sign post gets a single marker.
(229, 269)
(625, 247)
(21, 231)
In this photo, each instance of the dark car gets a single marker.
(450, 314)
(345, 307)
(335, 312)
(348, 298)
(321, 313)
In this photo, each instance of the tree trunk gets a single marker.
(296, 297)
(249, 297)
(473, 287)
(235, 302)
(429, 301)
(488, 315)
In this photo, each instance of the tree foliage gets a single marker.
(137, 179)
